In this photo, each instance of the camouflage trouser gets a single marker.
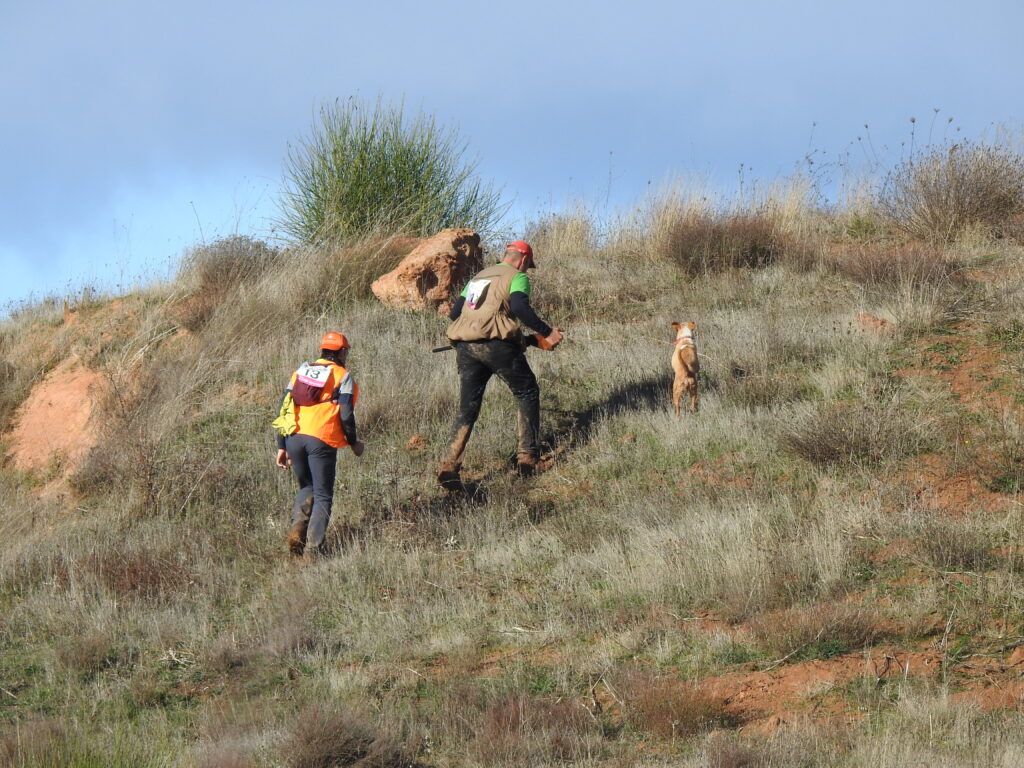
(477, 362)
(314, 463)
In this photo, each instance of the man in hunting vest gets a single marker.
(487, 339)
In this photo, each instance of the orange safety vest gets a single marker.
(320, 419)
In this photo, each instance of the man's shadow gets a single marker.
(572, 430)
(421, 511)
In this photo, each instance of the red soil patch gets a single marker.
(765, 700)
(998, 694)
(971, 369)
(955, 493)
(416, 443)
(868, 322)
(967, 366)
(53, 423)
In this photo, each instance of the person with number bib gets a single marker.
(488, 341)
(316, 418)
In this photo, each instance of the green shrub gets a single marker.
(949, 189)
(373, 170)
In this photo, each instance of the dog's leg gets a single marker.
(677, 395)
(692, 388)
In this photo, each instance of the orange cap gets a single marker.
(334, 340)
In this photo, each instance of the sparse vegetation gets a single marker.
(847, 498)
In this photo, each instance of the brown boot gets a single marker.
(297, 537)
(449, 477)
(526, 465)
(311, 555)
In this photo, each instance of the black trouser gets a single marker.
(314, 463)
(477, 362)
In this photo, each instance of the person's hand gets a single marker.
(554, 337)
(357, 448)
(282, 459)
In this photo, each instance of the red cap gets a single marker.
(523, 247)
(334, 340)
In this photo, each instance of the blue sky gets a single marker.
(132, 130)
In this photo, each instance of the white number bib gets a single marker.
(475, 293)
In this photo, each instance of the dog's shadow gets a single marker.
(574, 429)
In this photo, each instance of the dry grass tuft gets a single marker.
(225, 756)
(669, 708)
(709, 242)
(700, 240)
(820, 632)
(517, 729)
(89, 653)
(878, 266)
(512, 727)
(948, 189)
(338, 737)
(210, 272)
(856, 434)
(951, 544)
(147, 574)
(792, 747)
(35, 743)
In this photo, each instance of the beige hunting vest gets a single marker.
(486, 313)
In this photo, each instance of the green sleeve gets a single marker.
(520, 283)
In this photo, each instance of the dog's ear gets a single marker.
(676, 327)
(692, 326)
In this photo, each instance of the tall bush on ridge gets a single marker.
(373, 169)
(942, 192)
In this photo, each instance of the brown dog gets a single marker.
(685, 364)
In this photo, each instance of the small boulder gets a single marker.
(429, 276)
(416, 443)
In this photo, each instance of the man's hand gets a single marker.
(282, 459)
(357, 448)
(554, 337)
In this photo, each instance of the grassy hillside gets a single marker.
(823, 567)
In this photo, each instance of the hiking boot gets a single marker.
(449, 477)
(311, 555)
(296, 540)
(449, 480)
(526, 465)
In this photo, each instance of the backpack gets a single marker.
(310, 379)
(286, 423)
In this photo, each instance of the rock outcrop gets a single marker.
(429, 276)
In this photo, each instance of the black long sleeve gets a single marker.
(519, 303)
(456, 309)
(347, 417)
